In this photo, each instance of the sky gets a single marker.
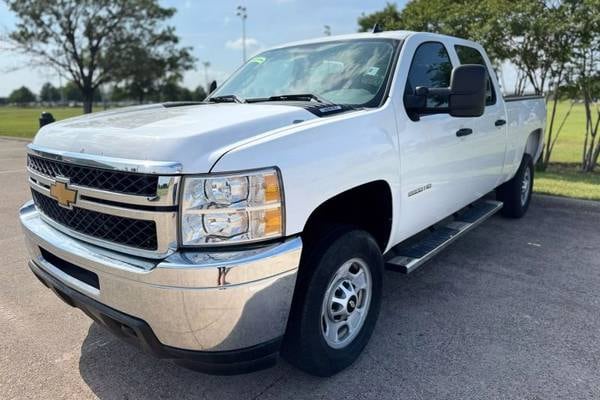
(214, 31)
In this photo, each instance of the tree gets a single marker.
(538, 41)
(149, 68)
(90, 41)
(586, 67)
(186, 94)
(199, 94)
(49, 93)
(388, 19)
(546, 61)
(477, 21)
(535, 35)
(172, 91)
(118, 94)
(21, 96)
(572, 89)
(72, 92)
(530, 33)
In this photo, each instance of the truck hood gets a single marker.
(193, 135)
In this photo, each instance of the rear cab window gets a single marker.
(470, 55)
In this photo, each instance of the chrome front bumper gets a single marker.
(198, 301)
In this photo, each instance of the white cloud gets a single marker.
(237, 44)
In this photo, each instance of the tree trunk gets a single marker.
(88, 99)
(594, 150)
(548, 150)
(588, 144)
(595, 158)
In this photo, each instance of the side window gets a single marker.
(469, 55)
(431, 67)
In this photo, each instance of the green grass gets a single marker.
(569, 146)
(23, 121)
(562, 178)
(567, 180)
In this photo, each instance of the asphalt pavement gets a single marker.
(510, 311)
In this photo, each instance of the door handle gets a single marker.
(464, 132)
(499, 122)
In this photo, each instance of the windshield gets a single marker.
(351, 72)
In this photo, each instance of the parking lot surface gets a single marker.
(510, 311)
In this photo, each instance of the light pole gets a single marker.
(327, 30)
(241, 12)
(206, 65)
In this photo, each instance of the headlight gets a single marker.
(227, 209)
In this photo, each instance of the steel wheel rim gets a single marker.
(346, 303)
(525, 186)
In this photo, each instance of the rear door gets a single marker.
(486, 146)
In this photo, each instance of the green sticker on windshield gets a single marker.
(258, 60)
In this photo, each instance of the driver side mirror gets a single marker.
(466, 94)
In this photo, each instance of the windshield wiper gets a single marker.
(230, 98)
(300, 97)
(325, 107)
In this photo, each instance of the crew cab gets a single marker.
(259, 222)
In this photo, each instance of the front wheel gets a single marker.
(516, 193)
(336, 303)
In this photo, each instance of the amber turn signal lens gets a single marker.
(272, 192)
(273, 221)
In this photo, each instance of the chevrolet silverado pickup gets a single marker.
(259, 221)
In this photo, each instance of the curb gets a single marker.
(557, 200)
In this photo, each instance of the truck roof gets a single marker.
(362, 35)
(398, 35)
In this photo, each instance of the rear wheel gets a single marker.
(336, 303)
(516, 193)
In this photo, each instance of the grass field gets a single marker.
(567, 181)
(561, 179)
(23, 121)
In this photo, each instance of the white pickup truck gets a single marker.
(259, 221)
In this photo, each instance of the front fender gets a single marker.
(320, 159)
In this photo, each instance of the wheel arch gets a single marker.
(534, 144)
(367, 206)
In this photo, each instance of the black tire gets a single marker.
(304, 344)
(510, 192)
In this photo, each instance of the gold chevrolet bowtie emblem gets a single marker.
(65, 196)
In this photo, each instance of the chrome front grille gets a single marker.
(120, 230)
(114, 181)
(119, 204)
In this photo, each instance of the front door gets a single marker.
(436, 163)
